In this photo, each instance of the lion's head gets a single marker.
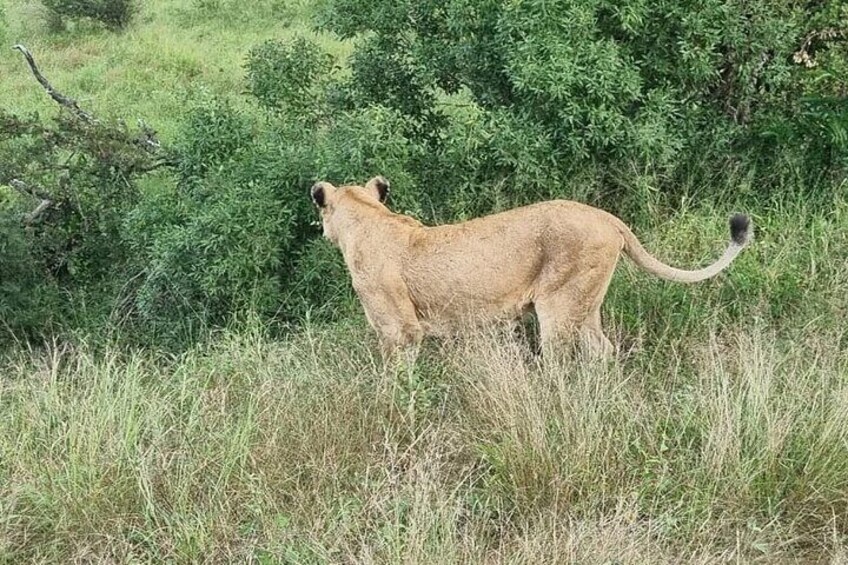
(333, 202)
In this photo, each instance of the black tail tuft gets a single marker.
(739, 226)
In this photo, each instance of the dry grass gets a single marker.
(303, 451)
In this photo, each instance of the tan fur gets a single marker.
(554, 257)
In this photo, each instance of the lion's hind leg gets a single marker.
(570, 314)
(593, 342)
(558, 326)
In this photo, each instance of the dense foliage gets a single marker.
(468, 106)
(78, 176)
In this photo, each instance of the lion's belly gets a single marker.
(451, 288)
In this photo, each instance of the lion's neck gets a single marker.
(373, 234)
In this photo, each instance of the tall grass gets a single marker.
(305, 451)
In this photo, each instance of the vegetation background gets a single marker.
(185, 372)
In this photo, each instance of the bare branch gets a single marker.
(31, 217)
(68, 103)
(45, 203)
(27, 190)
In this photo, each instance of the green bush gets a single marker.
(115, 14)
(216, 255)
(664, 87)
(207, 245)
(29, 302)
(237, 228)
(87, 170)
(289, 76)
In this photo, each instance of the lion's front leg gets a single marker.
(396, 353)
(399, 342)
(393, 317)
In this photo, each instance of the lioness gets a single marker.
(555, 257)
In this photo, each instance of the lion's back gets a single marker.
(491, 264)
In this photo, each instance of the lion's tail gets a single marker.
(740, 235)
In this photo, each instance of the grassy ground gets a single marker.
(173, 52)
(304, 451)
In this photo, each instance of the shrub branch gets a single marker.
(804, 55)
(46, 201)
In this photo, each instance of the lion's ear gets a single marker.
(379, 186)
(319, 193)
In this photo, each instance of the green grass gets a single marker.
(304, 451)
(173, 52)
